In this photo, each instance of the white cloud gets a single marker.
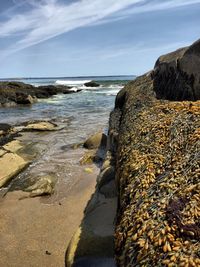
(46, 19)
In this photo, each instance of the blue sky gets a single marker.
(92, 37)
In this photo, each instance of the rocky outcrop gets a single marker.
(14, 93)
(156, 144)
(11, 160)
(176, 75)
(91, 84)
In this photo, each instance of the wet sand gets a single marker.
(36, 231)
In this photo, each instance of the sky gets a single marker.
(59, 38)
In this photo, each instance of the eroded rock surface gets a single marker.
(177, 75)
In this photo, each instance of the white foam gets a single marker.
(72, 83)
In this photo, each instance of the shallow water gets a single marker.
(79, 115)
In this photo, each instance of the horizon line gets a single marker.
(60, 77)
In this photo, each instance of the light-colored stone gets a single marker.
(44, 186)
(41, 126)
(13, 146)
(10, 165)
(106, 164)
(72, 248)
(2, 152)
(88, 170)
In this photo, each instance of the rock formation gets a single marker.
(157, 164)
(13, 93)
(176, 75)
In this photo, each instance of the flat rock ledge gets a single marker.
(11, 160)
(11, 165)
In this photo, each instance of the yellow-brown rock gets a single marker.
(10, 165)
(41, 126)
(96, 141)
(158, 164)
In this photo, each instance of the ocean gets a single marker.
(91, 105)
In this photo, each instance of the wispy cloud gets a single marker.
(45, 19)
(154, 5)
(147, 6)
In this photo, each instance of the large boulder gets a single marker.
(176, 76)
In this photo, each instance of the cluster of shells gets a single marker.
(158, 171)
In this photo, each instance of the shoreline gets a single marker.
(35, 231)
(32, 226)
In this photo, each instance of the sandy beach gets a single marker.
(36, 231)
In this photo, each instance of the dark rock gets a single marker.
(106, 176)
(5, 127)
(15, 92)
(92, 84)
(109, 190)
(176, 76)
(94, 262)
(25, 99)
(5, 133)
(12, 93)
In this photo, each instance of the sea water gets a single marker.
(78, 114)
